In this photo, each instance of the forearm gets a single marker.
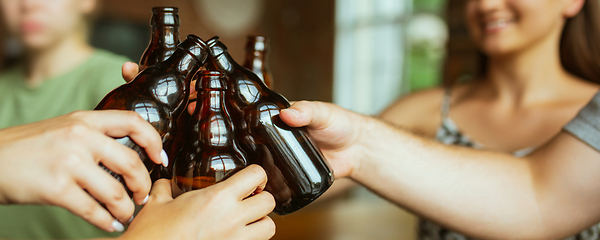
(552, 193)
(482, 194)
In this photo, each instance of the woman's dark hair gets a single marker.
(580, 43)
(579, 48)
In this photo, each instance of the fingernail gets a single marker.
(117, 226)
(165, 158)
(130, 220)
(292, 111)
(145, 200)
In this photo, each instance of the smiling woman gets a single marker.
(539, 70)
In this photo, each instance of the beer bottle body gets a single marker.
(159, 93)
(297, 171)
(211, 153)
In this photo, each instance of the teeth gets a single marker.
(497, 24)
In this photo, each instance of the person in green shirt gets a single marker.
(59, 73)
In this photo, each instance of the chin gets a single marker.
(492, 49)
(36, 42)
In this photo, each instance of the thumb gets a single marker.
(129, 70)
(161, 191)
(315, 115)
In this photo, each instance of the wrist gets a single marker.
(364, 141)
(377, 143)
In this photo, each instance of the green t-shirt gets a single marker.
(80, 89)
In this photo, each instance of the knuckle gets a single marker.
(71, 160)
(134, 117)
(88, 210)
(303, 102)
(117, 192)
(58, 188)
(130, 161)
(79, 114)
(216, 195)
(77, 129)
(257, 171)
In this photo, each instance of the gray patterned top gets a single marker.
(448, 133)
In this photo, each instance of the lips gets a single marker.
(31, 27)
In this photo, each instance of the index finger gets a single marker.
(118, 123)
(249, 180)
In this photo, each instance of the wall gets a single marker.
(301, 33)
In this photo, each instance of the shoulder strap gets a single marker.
(446, 103)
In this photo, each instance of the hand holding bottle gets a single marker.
(335, 130)
(226, 210)
(55, 162)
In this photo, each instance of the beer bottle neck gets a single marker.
(165, 17)
(183, 62)
(255, 60)
(165, 36)
(226, 63)
(213, 101)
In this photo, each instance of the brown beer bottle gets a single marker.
(164, 37)
(211, 152)
(159, 93)
(297, 171)
(163, 42)
(257, 48)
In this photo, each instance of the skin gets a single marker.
(65, 165)
(233, 209)
(53, 34)
(526, 91)
(66, 168)
(549, 194)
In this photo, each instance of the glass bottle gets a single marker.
(211, 153)
(297, 171)
(257, 48)
(164, 39)
(159, 93)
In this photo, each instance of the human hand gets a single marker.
(129, 70)
(335, 130)
(226, 210)
(55, 162)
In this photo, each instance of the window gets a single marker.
(370, 53)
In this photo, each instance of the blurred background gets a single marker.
(360, 54)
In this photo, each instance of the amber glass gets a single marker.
(257, 48)
(297, 171)
(159, 93)
(211, 153)
(164, 37)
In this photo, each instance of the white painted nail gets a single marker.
(117, 226)
(145, 200)
(165, 158)
(130, 220)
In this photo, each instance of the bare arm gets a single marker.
(553, 193)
